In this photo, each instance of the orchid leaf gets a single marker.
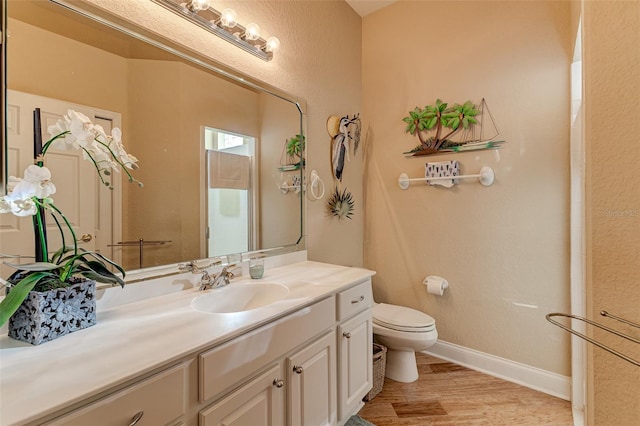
(18, 293)
(34, 267)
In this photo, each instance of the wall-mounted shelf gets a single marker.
(486, 177)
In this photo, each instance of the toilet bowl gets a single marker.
(403, 331)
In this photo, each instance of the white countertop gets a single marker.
(136, 338)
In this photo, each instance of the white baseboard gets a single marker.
(522, 374)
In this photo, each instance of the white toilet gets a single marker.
(403, 331)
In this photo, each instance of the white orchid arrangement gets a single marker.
(31, 196)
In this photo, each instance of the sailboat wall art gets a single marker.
(442, 129)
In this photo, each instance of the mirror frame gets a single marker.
(184, 53)
(3, 97)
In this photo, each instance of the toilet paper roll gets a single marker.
(436, 285)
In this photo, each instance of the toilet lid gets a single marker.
(402, 318)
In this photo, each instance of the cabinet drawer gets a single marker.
(160, 399)
(355, 299)
(231, 363)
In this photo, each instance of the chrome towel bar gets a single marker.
(140, 243)
(485, 176)
(602, 327)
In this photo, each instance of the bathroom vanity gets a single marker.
(303, 359)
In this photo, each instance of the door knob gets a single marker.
(85, 238)
(297, 369)
(278, 383)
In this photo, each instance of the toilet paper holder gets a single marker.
(436, 285)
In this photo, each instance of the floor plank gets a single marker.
(448, 394)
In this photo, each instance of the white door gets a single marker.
(86, 203)
(231, 198)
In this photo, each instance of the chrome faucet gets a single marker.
(218, 280)
(207, 281)
(192, 266)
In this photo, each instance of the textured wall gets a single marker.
(319, 61)
(612, 90)
(504, 249)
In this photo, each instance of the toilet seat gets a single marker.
(401, 318)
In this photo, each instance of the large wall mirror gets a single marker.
(211, 147)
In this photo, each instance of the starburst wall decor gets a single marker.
(341, 204)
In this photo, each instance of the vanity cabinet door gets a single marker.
(355, 364)
(312, 384)
(259, 402)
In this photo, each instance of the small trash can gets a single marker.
(379, 365)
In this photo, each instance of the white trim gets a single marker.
(578, 417)
(522, 374)
(578, 258)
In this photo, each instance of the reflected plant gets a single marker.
(295, 146)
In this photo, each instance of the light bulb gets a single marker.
(196, 5)
(252, 32)
(228, 18)
(272, 44)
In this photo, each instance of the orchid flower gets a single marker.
(23, 193)
(106, 152)
(30, 195)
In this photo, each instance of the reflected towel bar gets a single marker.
(486, 176)
(140, 243)
(602, 327)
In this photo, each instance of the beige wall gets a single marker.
(319, 61)
(50, 65)
(505, 248)
(612, 89)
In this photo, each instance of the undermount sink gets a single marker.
(239, 297)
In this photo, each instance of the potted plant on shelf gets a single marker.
(293, 148)
(55, 295)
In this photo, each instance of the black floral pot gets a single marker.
(44, 316)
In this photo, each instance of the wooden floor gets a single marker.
(448, 394)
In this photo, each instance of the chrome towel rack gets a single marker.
(486, 176)
(602, 327)
(141, 243)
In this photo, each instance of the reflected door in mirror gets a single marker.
(231, 225)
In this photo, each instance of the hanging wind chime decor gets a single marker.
(345, 139)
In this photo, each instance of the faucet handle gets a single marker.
(189, 266)
(192, 266)
(230, 270)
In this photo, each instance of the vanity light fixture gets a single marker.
(225, 25)
(196, 5)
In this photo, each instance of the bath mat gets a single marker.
(356, 420)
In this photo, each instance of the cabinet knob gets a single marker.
(278, 383)
(358, 300)
(297, 369)
(347, 334)
(135, 419)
